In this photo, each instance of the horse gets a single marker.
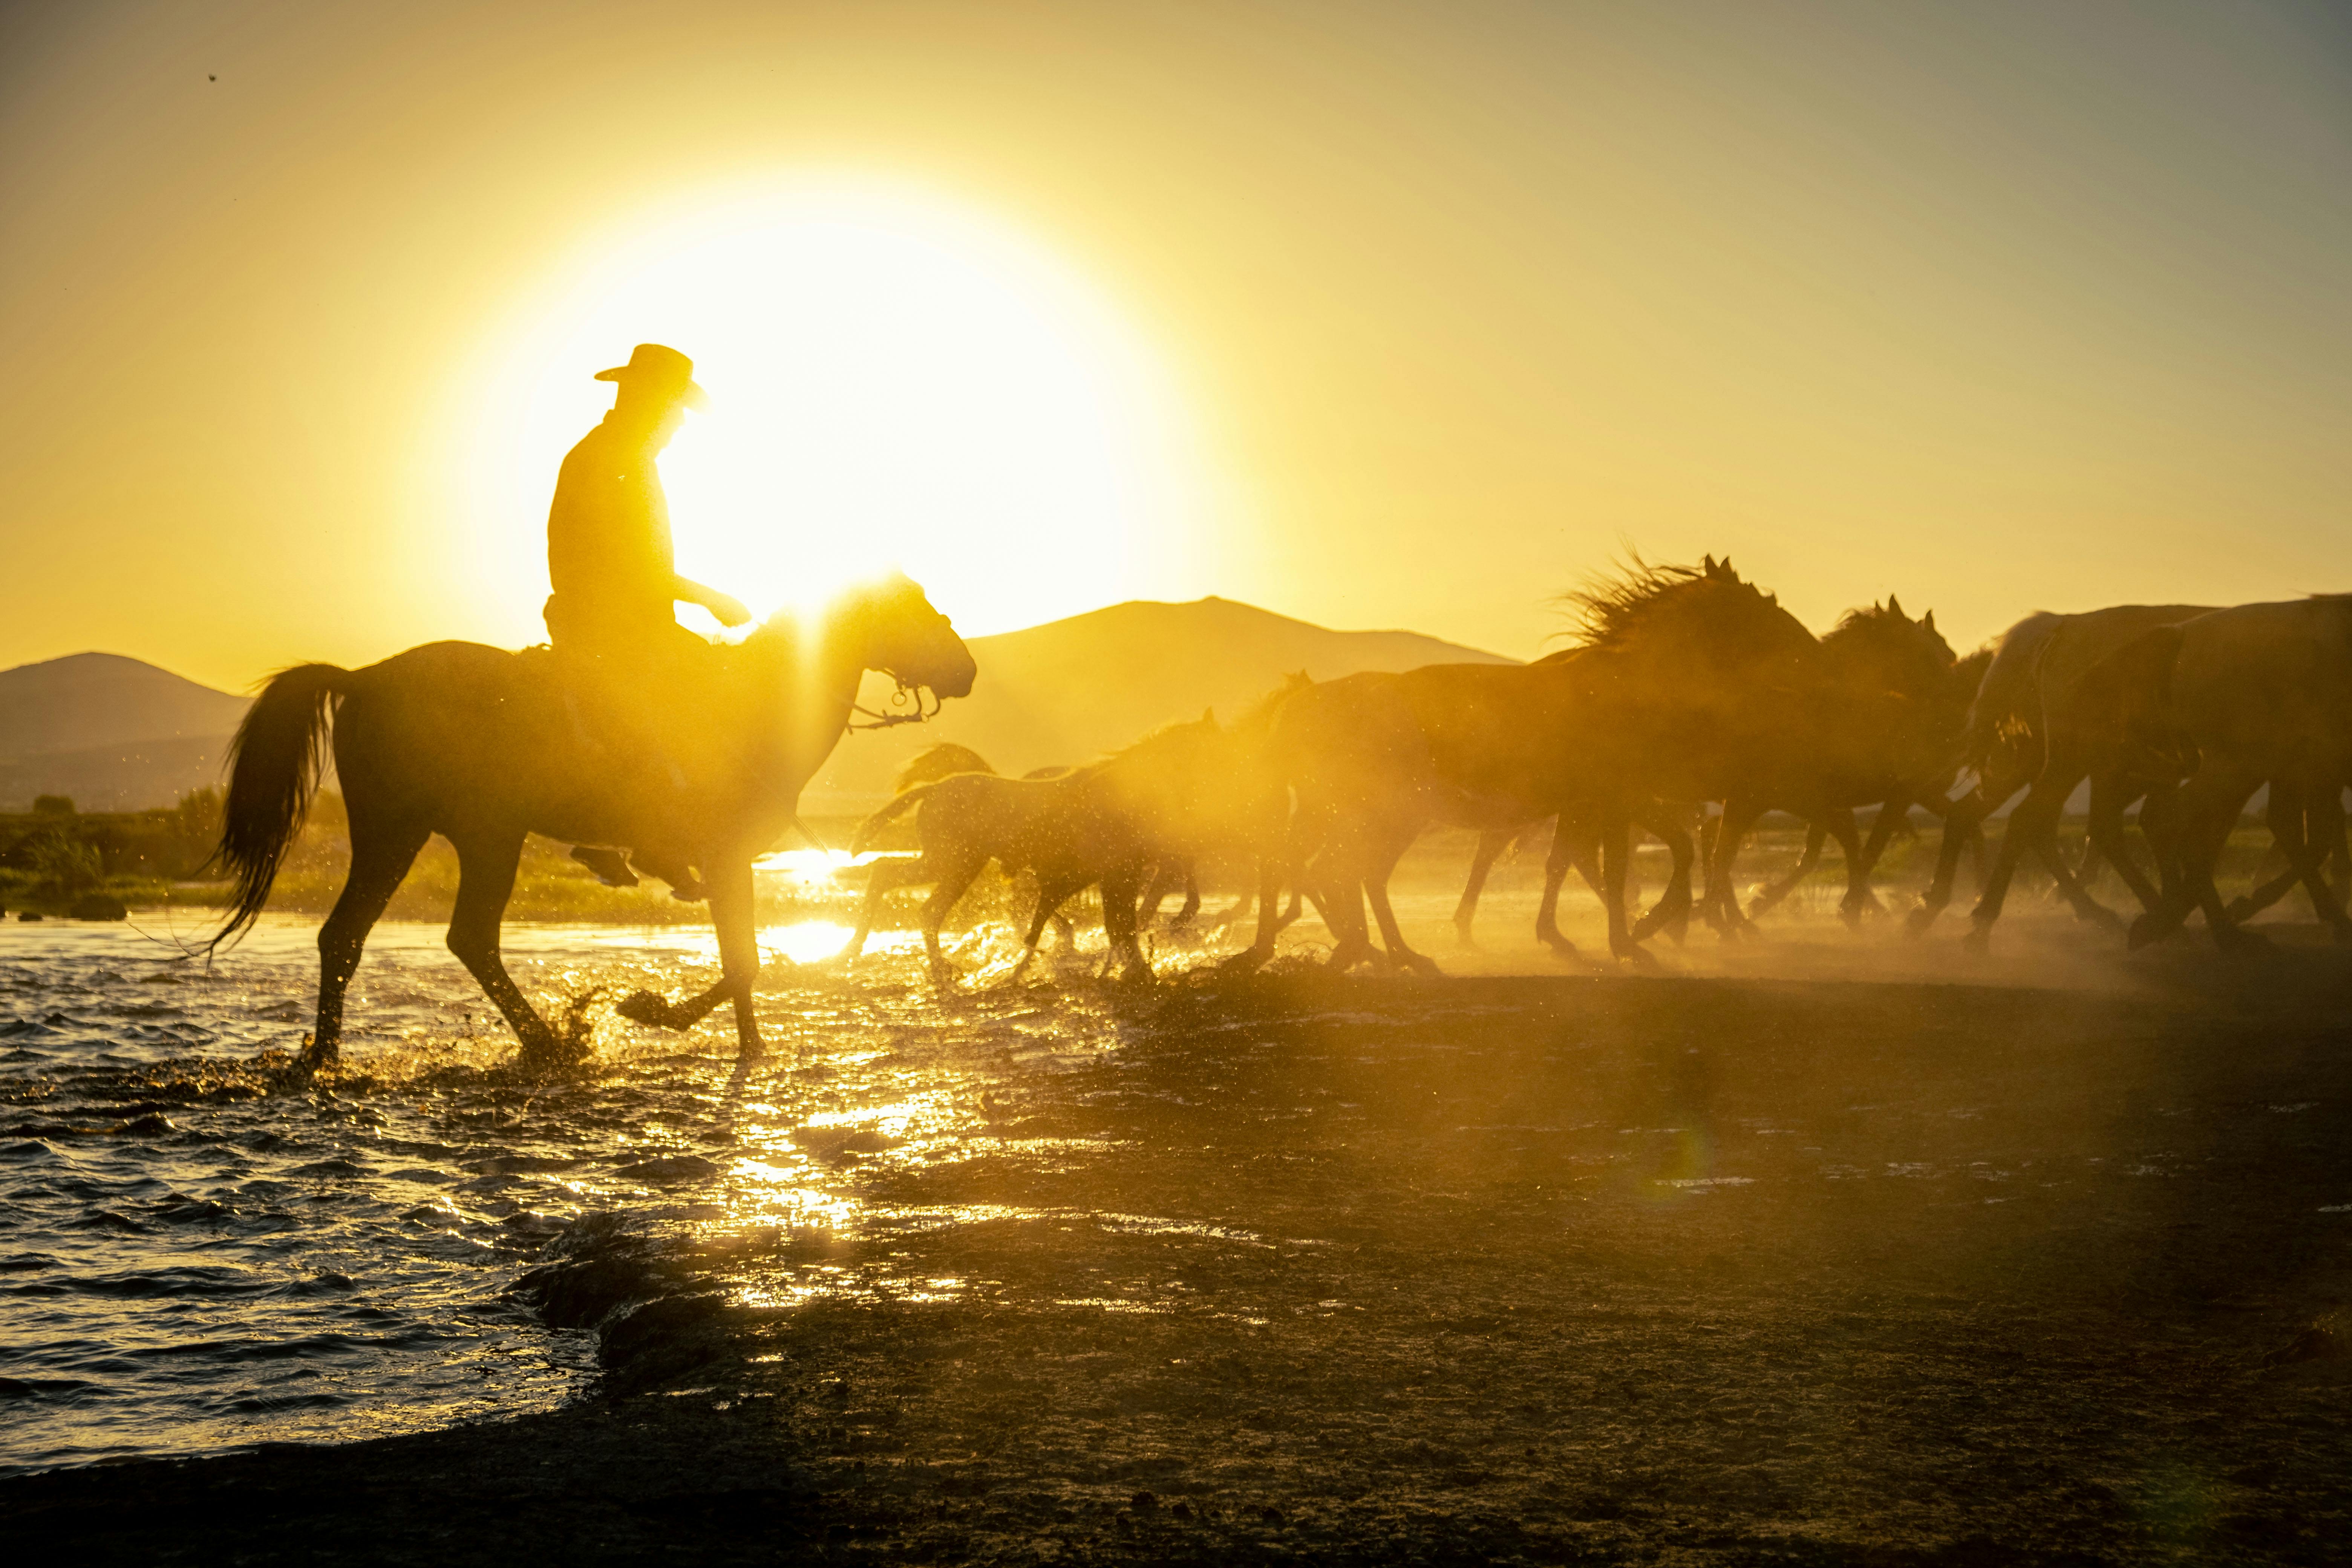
(483, 746)
(1685, 676)
(1931, 793)
(1853, 755)
(2022, 735)
(928, 766)
(2256, 694)
(1099, 825)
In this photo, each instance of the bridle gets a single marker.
(898, 698)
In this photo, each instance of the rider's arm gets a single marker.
(730, 610)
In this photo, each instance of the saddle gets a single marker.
(646, 711)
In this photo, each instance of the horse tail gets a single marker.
(906, 800)
(274, 765)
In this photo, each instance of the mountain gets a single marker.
(114, 733)
(1071, 690)
(119, 735)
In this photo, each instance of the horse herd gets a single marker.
(1690, 704)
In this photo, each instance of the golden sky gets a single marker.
(1378, 315)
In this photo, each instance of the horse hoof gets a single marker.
(1563, 949)
(1977, 942)
(1916, 922)
(2241, 909)
(1419, 963)
(648, 1007)
(2144, 932)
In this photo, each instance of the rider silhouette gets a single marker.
(614, 577)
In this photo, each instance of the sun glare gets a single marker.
(893, 382)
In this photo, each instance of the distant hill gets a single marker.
(119, 735)
(1072, 690)
(114, 733)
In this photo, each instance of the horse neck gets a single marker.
(819, 683)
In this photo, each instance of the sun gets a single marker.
(894, 383)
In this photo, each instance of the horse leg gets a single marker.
(1962, 818)
(380, 856)
(1616, 849)
(1376, 889)
(486, 874)
(1269, 896)
(1892, 812)
(1491, 845)
(1342, 902)
(2111, 794)
(2211, 804)
(2068, 884)
(887, 877)
(1840, 823)
(1192, 907)
(1773, 893)
(1571, 844)
(1119, 932)
(949, 887)
(1672, 912)
(732, 914)
(1738, 819)
(1052, 892)
(2323, 816)
(2030, 826)
(1155, 893)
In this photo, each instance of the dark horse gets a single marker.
(1689, 680)
(482, 746)
(1890, 735)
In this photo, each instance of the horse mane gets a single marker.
(936, 763)
(1168, 737)
(1608, 605)
(1865, 619)
(1260, 714)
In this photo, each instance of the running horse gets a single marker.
(485, 746)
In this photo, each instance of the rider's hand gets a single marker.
(729, 611)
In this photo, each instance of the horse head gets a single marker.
(1880, 646)
(888, 625)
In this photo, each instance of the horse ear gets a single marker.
(1894, 606)
(1707, 564)
(1929, 620)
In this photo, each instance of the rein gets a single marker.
(897, 699)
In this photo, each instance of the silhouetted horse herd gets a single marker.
(1689, 705)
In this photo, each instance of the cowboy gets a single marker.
(610, 562)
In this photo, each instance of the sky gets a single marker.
(1379, 315)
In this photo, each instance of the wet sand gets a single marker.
(1493, 1268)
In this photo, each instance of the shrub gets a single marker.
(53, 805)
(63, 865)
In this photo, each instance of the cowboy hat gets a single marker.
(660, 369)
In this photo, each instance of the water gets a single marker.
(198, 1254)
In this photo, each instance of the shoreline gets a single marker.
(1537, 1269)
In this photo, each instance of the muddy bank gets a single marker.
(1553, 1270)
